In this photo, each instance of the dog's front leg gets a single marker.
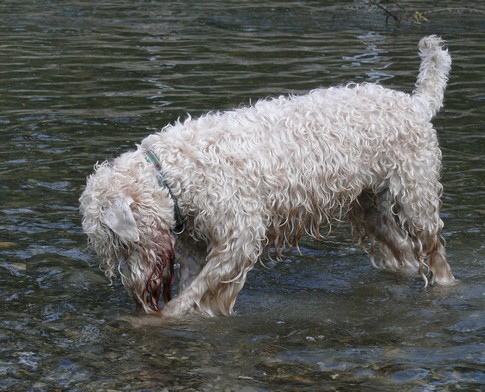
(192, 258)
(214, 291)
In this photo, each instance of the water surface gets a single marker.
(83, 81)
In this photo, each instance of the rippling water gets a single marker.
(82, 81)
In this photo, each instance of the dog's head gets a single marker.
(129, 220)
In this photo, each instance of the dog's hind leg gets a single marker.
(439, 268)
(414, 245)
(417, 203)
(371, 217)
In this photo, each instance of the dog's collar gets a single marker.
(151, 157)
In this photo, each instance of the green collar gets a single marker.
(151, 157)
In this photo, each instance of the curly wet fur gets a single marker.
(265, 175)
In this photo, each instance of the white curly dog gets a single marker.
(221, 188)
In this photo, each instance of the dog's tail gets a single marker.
(433, 74)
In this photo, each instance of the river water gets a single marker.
(83, 81)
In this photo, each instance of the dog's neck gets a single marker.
(152, 158)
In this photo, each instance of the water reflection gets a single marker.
(83, 82)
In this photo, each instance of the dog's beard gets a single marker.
(149, 272)
(162, 277)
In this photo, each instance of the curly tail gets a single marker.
(433, 74)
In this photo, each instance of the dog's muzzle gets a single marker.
(161, 277)
(160, 282)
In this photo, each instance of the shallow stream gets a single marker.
(83, 81)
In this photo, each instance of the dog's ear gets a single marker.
(119, 218)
